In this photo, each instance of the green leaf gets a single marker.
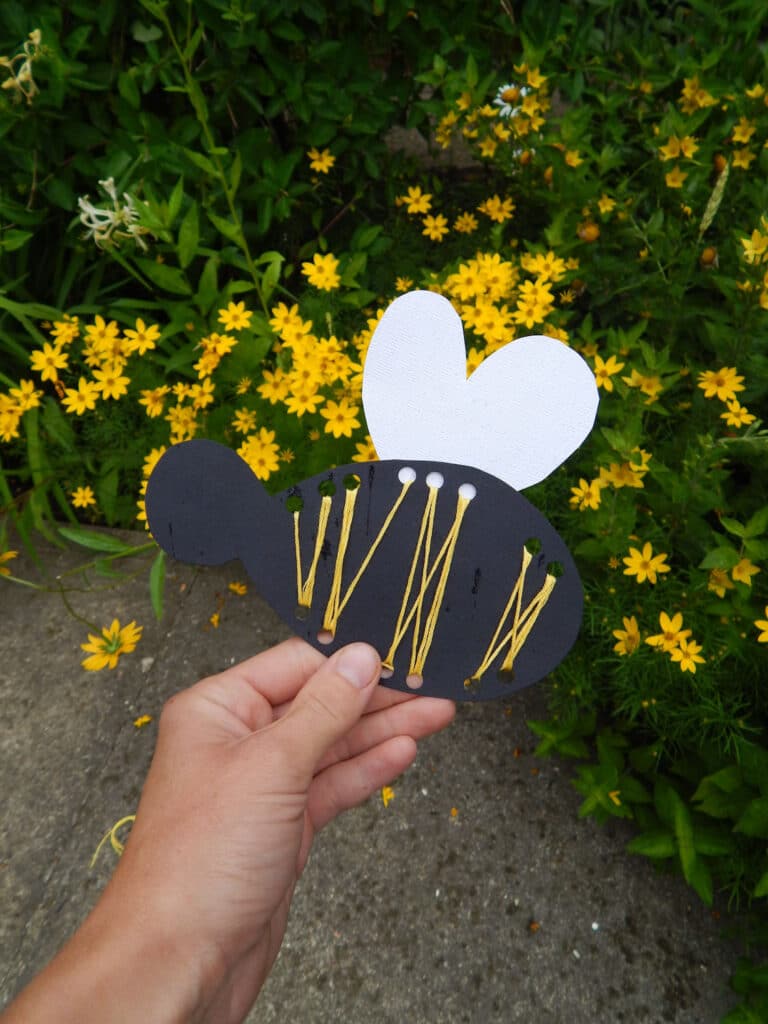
(236, 172)
(758, 524)
(175, 201)
(157, 584)
(201, 161)
(94, 541)
(658, 844)
(754, 820)
(684, 836)
(732, 526)
(720, 558)
(225, 227)
(189, 236)
(169, 279)
(12, 239)
(208, 285)
(711, 843)
(666, 800)
(761, 889)
(128, 89)
(145, 33)
(700, 878)
(727, 779)
(756, 548)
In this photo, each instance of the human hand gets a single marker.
(249, 765)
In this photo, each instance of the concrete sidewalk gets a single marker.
(422, 911)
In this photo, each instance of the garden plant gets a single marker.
(204, 212)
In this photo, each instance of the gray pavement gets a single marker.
(422, 911)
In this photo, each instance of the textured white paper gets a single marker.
(519, 415)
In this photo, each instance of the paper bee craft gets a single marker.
(430, 554)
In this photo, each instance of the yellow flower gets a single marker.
(215, 619)
(722, 383)
(605, 204)
(105, 650)
(365, 451)
(675, 177)
(718, 582)
(82, 497)
(738, 415)
(151, 460)
(762, 624)
(341, 416)
(687, 655)
(743, 158)
(65, 331)
(644, 565)
(111, 382)
(622, 474)
(261, 453)
(143, 338)
(435, 227)
(488, 147)
(628, 638)
(465, 223)
(497, 209)
(6, 556)
(244, 421)
(588, 231)
(572, 158)
(142, 720)
(743, 571)
(694, 97)
(755, 247)
(235, 317)
(321, 161)
(48, 360)
(403, 284)
(153, 400)
(275, 386)
(605, 369)
(744, 130)
(387, 795)
(304, 399)
(243, 386)
(322, 272)
(237, 587)
(77, 400)
(586, 495)
(417, 201)
(25, 396)
(672, 632)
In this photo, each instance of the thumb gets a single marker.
(328, 705)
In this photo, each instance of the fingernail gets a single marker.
(359, 665)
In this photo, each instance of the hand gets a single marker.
(249, 765)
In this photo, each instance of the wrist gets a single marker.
(122, 967)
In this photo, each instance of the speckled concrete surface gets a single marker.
(477, 895)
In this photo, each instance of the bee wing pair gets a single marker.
(431, 554)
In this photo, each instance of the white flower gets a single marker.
(507, 96)
(108, 227)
